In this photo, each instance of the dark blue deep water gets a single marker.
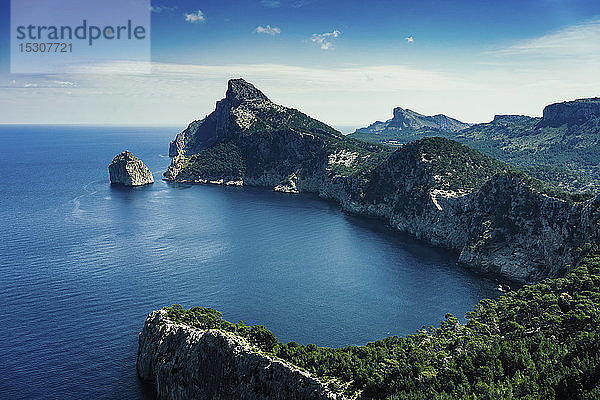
(82, 263)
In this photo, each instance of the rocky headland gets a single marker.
(128, 170)
(501, 221)
(539, 341)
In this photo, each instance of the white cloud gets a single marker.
(270, 3)
(175, 94)
(577, 40)
(325, 40)
(410, 39)
(195, 17)
(40, 83)
(161, 9)
(268, 30)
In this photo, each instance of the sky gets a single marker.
(346, 63)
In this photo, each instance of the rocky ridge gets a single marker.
(251, 139)
(128, 170)
(186, 363)
(562, 147)
(405, 119)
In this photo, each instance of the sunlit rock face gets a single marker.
(128, 170)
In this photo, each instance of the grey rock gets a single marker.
(128, 170)
(576, 111)
(405, 119)
(504, 229)
(509, 118)
(185, 363)
(232, 114)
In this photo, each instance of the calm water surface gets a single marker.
(82, 263)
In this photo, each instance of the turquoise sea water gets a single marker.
(82, 263)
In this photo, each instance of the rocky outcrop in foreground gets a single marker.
(128, 170)
(185, 363)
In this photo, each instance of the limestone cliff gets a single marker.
(501, 221)
(128, 170)
(577, 111)
(185, 363)
(249, 138)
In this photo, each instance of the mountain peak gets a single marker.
(239, 90)
(404, 118)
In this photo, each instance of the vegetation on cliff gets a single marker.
(222, 160)
(540, 342)
(249, 136)
(274, 121)
(438, 163)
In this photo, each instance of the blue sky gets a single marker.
(347, 63)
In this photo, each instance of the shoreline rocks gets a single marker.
(128, 170)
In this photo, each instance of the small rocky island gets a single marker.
(128, 170)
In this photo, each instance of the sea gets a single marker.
(82, 263)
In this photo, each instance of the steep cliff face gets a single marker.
(421, 188)
(577, 111)
(242, 106)
(452, 196)
(128, 170)
(248, 138)
(186, 363)
(553, 325)
(499, 220)
(517, 232)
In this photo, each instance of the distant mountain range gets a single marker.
(562, 147)
(407, 120)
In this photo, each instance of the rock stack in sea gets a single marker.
(128, 170)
